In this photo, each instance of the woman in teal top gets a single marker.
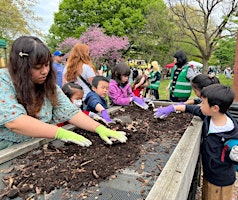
(31, 104)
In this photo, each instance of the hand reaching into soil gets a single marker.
(140, 102)
(106, 117)
(69, 136)
(105, 133)
(94, 116)
(163, 112)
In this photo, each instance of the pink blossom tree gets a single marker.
(103, 48)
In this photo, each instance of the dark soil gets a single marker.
(72, 167)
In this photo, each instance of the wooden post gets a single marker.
(235, 79)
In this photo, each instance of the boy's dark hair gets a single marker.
(70, 88)
(202, 80)
(220, 95)
(121, 69)
(96, 80)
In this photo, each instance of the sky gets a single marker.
(45, 9)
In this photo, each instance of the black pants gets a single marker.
(176, 99)
(155, 93)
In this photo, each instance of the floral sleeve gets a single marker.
(65, 110)
(10, 109)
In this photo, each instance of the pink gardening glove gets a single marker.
(163, 112)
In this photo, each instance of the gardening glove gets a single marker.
(69, 136)
(150, 102)
(106, 117)
(94, 116)
(147, 100)
(140, 102)
(105, 133)
(234, 153)
(163, 112)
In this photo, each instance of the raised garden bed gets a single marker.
(66, 171)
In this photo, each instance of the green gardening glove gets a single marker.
(69, 136)
(105, 133)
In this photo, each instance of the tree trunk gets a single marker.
(205, 66)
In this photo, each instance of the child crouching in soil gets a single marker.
(219, 126)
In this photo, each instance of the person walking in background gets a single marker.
(32, 103)
(227, 72)
(180, 87)
(155, 77)
(59, 67)
(120, 91)
(80, 68)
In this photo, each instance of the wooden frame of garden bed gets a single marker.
(175, 179)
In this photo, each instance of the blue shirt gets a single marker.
(92, 99)
(11, 109)
(59, 68)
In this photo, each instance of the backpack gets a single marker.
(228, 146)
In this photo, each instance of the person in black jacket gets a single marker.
(218, 127)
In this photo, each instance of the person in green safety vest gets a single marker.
(155, 76)
(182, 73)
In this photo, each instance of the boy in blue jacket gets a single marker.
(219, 126)
(96, 99)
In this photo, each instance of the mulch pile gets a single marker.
(72, 167)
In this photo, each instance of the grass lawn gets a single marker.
(164, 94)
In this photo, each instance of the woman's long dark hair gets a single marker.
(25, 54)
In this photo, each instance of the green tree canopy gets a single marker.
(225, 52)
(17, 18)
(155, 40)
(117, 17)
(199, 24)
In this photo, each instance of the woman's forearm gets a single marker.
(29, 126)
(83, 121)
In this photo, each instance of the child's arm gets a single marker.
(99, 108)
(167, 88)
(165, 111)
(141, 82)
(194, 101)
